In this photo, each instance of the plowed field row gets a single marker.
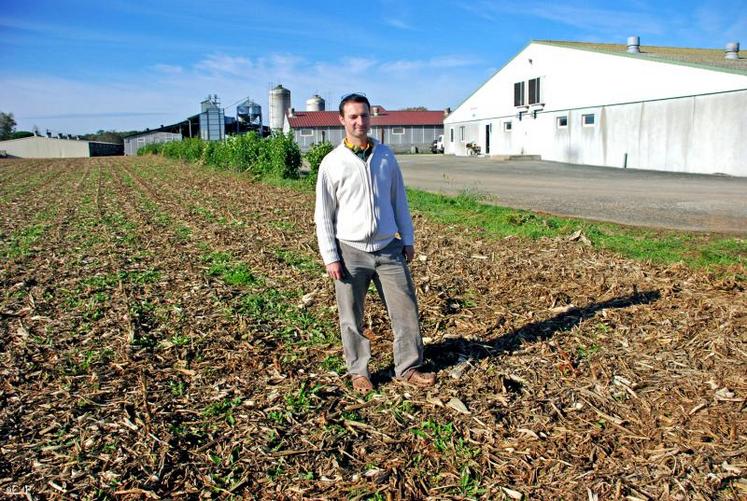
(168, 332)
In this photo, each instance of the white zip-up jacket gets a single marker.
(362, 204)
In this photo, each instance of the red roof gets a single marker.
(384, 117)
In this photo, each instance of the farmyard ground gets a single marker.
(168, 332)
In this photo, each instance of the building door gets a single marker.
(528, 134)
(487, 139)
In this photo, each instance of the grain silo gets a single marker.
(249, 112)
(315, 103)
(280, 102)
(212, 121)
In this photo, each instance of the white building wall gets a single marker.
(45, 147)
(634, 113)
(573, 78)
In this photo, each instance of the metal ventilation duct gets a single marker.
(732, 50)
(634, 45)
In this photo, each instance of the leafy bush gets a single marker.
(150, 149)
(277, 156)
(315, 155)
(284, 159)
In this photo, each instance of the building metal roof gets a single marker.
(712, 59)
(395, 118)
(57, 139)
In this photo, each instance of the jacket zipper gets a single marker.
(369, 187)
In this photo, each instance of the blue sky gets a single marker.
(77, 66)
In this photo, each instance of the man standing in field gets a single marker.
(365, 233)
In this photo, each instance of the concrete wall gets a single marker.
(420, 136)
(697, 134)
(44, 147)
(133, 143)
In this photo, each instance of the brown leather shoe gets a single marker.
(361, 384)
(419, 379)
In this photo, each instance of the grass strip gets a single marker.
(659, 246)
(468, 210)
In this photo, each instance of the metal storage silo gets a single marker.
(249, 112)
(280, 102)
(212, 120)
(315, 103)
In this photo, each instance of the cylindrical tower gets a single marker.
(249, 112)
(315, 103)
(280, 102)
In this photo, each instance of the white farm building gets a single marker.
(53, 147)
(659, 108)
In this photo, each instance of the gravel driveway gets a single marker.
(693, 202)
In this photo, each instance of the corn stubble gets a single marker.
(167, 334)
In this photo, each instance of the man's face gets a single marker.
(356, 120)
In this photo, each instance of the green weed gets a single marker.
(283, 225)
(440, 435)
(296, 260)
(334, 363)
(232, 273)
(585, 352)
(177, 388)
(20, 243)
(469, 483)
(223, 409)
(183, 232)
(180, 340)
(301, 401)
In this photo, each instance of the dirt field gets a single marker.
(168, 332)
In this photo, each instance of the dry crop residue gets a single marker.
(168, 332)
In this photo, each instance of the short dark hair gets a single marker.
(353, 98)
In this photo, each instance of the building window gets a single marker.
(307, 132)
(588, 120)
(451, 135)
(507, 126)
(461, 133)
(562, 122)
(519, 94)
(398, 131)
(141, 140)
(534, 91)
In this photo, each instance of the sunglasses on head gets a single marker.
(352, 95)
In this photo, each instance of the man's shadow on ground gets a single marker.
(453, 351)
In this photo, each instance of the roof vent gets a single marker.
(447, 112)
(375, 111)
(291, 112)
(732, 50)
(634, 45)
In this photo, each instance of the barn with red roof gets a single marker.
(402, 130)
